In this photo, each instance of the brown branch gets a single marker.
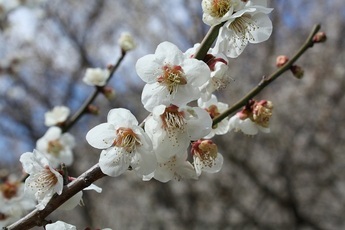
(83, 109)
(37, 217)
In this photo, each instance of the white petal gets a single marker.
(144, 162)
(200, 125)
(248, 127)
(101, 136)
(265, 28)
(121, 117)
(114, 161)
(217, 164)
(149, 68)
(72, 202)
(94, 187)
(59, 225)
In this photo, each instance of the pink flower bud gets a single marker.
(281, 60)
(319, 37)
(93, 109)
(108, 92)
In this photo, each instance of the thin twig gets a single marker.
(83, 109)
(267, 80)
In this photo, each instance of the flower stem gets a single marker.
(267, 80)
(207, 41)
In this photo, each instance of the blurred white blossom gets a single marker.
(56, 116)
(56, 146)
(96, 76)
(126, 42)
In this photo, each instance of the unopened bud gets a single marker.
(297, 71)
(281, 60)
(108, 92)
(126, 42)
(93, 109)
(110, 67)
(319, 37)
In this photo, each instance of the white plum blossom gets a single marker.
(176, 167)
(60, 225)
(218, 11)
(57, 146)
(253, 118)
(215, 108)
(43, 181)
(206, 157)
(124, 144)
(220, 76)
(250, 24)
(56, 116)
(171, 129)
(220, 73)
(14, 203)
(126, 42)
(171, 77)
(96, 76)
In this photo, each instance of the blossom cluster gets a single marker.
(174, 141)
(175, 131)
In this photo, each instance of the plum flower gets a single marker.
(126, 42)
(250, 24)
(171, 129)
(56, 146)
(254, 117)
(56, 116)
(171, 77)
(96, 76)
(176, 167)
(215, 108)
(218, 11)
(219, 67)
(124, 144)
(206, 157)
(13, 201)
(44, 181)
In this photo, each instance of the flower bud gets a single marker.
(297, 71)
(281, 60)
(126, 42)
(108, 92)
(93, 109)
(319, 37)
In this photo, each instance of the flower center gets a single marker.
(9, 190)
(172, 77)
(206, 150)
(243, 27)
(173, 119)
(262, 113)
(55, 147)
(213, 111)
(127, 139)
(45, 180)
(219, 8)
